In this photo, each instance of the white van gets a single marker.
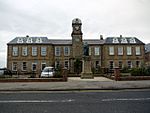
(48, 72)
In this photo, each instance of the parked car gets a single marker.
(4, 72)
(48, 72)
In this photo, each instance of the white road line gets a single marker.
(36, 101)
(125, 99)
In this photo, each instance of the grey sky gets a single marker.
(52, 18)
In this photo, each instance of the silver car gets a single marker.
(48, 72)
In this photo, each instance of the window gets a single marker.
(115, 40)
(129, 51)
(129, 64)
(66, 51)
(111, 50)
(120, 64)
(43, 65)
(57, 64)
(97, 64)
(15, 51)
(34, 66)
(29, 40)
(96, 50)
(124, 40)
(14, 66)
(20, 40)
(111, 64)
(34, 51)
(43, 51)
(24, 66)
(24, 51)
(120, 50)
(66, 65)
(38, 40)
(137, 50)
(57, 51)
(90, 50)
(132, 40)
(137, 63)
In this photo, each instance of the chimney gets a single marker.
(101, 37)
(27, 35)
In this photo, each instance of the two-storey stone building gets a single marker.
(27, 54)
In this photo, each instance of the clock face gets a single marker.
(77, 39)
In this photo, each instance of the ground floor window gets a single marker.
(129, 63)
(137, 63)
(57, 64)
(97, 64)
(120, 64)
(111, 64)
(66, 64)
(24, 66)
(14, 66)
(43, 65)
(34, 66)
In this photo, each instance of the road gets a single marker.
(76, 102)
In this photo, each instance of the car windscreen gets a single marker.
(48, 70)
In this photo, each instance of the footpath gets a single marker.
(76, 84)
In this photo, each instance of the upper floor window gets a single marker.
(43, 51)
(115, 40)
(124, 40)
(38, 40)
(137, 50)
(20, 40)
(66, 51)
(97, 51)
(57, 51)
(132, 40)
(15, 51)
(29, 40)
(111, 50)
(34, 51)
(24, 51)
(129, 50)
(120, 50)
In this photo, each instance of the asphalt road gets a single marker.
(76, 102)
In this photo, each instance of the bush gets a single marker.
(58, 72)
(125, 70)
(140, 71)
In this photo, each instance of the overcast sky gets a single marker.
(53, 18)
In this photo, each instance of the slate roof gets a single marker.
(69, 42)
(109, 40)
(29, 40)
(147, 48)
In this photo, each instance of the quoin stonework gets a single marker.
(28, 54)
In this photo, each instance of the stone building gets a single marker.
(147, 54)
(28, 54)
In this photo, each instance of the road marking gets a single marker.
(36, 101)
(125, 99)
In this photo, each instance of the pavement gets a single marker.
(76, 84)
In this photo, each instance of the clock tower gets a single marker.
(77, 44)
